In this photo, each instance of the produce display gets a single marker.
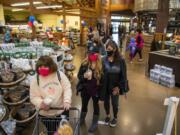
(8, 76)
(18, 95)
(2, 112)
(68, 57)
(17, 69)
(8, 127)
(24, 112)
(177, 39)
(69, 66)
(24, 64)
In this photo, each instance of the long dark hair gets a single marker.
(117, 55)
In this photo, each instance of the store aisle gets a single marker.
(142, 113)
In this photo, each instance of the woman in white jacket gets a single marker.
(50, 89)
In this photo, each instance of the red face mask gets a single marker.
(44, 71)
(93, 57)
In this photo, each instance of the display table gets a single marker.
(163, 58)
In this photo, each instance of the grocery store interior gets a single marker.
(146, 35)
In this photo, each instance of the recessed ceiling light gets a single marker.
(52, 6)
(17, 9)
(25, 3)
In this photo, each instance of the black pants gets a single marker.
(85, 100)
(52, 124)
(139, 51)
(115, 104)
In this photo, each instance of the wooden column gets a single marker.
(162, 16)
(162, 20)
(109, 17)
(81, 29)
(64, 17)
(32, 14)
(97, 7)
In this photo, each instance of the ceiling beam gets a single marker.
(16, 1)
(9, 2)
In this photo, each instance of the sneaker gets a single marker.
(107, 120)
(113, 123)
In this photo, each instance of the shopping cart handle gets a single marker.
(61, 108)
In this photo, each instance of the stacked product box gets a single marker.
(163, 75)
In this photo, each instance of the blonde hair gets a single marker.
(98, 70)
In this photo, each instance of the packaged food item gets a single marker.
(64, 128)
(163, 75)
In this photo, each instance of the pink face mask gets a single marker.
(44, 71)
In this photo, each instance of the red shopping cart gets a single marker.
(52, 123)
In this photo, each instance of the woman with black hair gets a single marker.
(115, 81)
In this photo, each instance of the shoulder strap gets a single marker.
(38, 79)
(59, 76)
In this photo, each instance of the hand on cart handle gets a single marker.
(67, 106)
(44, 107)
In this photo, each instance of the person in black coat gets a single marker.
(90, 78)
(115, 81)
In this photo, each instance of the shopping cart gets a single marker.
(52, 123)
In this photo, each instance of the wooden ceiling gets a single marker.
(32, 8)
(67, 6)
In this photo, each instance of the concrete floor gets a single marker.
(142, 113)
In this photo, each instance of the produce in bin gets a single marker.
(68, 57)
(69, 66)
(3, 112)
(6, 76)
(8, 127)
(24, 113)
(16, 96)
(18, 73)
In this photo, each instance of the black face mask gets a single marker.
(110, 53)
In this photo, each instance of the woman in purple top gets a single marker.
(132, 48)
(90, 78)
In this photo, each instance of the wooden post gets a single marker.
(162, 16)
(81, 29)
(32, 14)
(109, 17)
(64, 17)
(162, 20)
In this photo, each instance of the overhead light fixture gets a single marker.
(20, 4)
(25, 3)
(47, 7)
(37, 2)
(17, 9)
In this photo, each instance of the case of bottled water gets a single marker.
(163, 75)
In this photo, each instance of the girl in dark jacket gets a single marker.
(90, 76)
(115, 81)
